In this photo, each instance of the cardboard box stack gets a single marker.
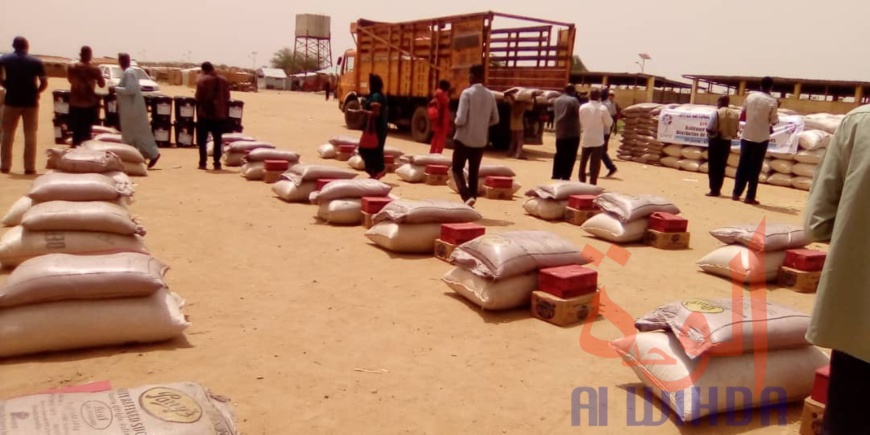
(566, 295)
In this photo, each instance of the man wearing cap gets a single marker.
(19, 73)
(608, 101)
(84, 105)
(566, 114)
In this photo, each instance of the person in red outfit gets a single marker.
(439, 117)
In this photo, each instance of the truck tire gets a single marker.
(353, 120)
(421, 130)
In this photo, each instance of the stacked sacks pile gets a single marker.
(797, 170)
(640, 133)
(297, 184)
(255, 161)
(687, 158)
(340, 201)
(625, 218)
(234, 153)
(356, 161)
(411, 227)
(500, 271)
(413, 168)
(81, 269)
(226, 139)
(760, 250)
(132, 160)
(483, 172)
(712, 348)
(549, 202)
(329, 150)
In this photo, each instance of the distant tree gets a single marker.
(577, 65)
(288, 61)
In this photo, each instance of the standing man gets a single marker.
(595, 121)
(439, 117)
(566, 113)
(135, 129)
(837, 212)
(477, 112)
(19, 73)
(518, 125)
(84, 106)
(608, 101)
(213, 109)
(760, 114)
(722, 130)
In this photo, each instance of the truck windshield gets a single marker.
(348, 63)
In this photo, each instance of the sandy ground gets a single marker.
(285, 309)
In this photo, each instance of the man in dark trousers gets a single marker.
(760, 114)
(19, 73)
(566, 112)
(213, 108)
(721, 130)
(477, 112)
(84, 105)
(608, 101)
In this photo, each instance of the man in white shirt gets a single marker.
(608, 100)
(760, 114)
(595, 122)
(477, 112)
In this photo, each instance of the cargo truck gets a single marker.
(412, 57)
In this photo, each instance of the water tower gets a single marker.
(313, 37)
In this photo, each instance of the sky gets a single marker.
(795, 38)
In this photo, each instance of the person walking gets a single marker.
(722, 130)
(84, 105)
(595, 120)
(19, 73)
(608, 101)
(760, 114)
(838, 212)
(439, 117)
(376, 105)
(477, 112)
(213, 109)
(135, 129)
(566, 112)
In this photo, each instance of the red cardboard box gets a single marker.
(323, 182)
(436, 170)
(805, 260)
(582, 202)
(374, 204)
(346, 149)
(457, 234)
(389, 159)
(568, 281)
(820, 385)
(668, 223)
(276, 165)
(500, 182)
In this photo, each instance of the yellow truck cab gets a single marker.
(412, 57)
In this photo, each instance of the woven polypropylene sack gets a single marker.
(741, 264)
(561, 190)
(503, 255)
(16, 212)
(127, 153)
(83, 161)
(411, 173)
(504, 294)
(426, 211)
(774, 237)
(405, 238)
(607, 227)
(317, 172)
(59, 186)
(346, 189)
(341, 211)
(546, 209)
(290, 192)
(327, 151)
(628, 208)
(18, 245)
(97, 216)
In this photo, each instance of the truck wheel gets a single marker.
(353, 120)
(420, 128)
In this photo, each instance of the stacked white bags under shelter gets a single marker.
(486, 170)
(356, 161)
(254, 167)
(131, 158)
(548, 202)
(340, 201)
(413, 167)
(411, 227)
(699, 360)
(625, 218)
(296, 184)
(761, 251)
(329, 150)
(500, 271)
(639, 134)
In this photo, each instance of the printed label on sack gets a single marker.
(54, 240)
(170, 405)
(97, 415)
(703, 306)
(236, 112)
(187, 111)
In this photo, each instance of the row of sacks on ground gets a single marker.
(250, 154)
(779, 169)
(752, 253)
(688, 352)
(81, 275)
(124, 158)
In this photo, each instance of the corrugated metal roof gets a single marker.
(275, 73)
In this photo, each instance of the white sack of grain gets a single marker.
(83, 161)
(690, 165)
(69, 325)
(246, 146)
(546, 209)
(234, 159)
(136, 169)
(813, 157)
(689, 386)
(628, 208)
(504, 294)
(428, 159)
(426, 211)
(253, 170)
(753, 266)
(18, 245)
(327, 151)
(405, 238)
(673, 150)
(290, 192)
(16, 212)
(59, 186)
(782, 166)
(765, 166)
(779, 179)
(814, 139)
(346, 189)
(344, 140)
(504, 255)
(704, 168)
(804, 170)
(780, 156)
(263, 154)
(715, 327)
(61, 277)
(411, 173)
(109, 138)
(99, 216)
(228, 138)
(127, 153)
(356, 162)
(304, 172)
(692, 153)
(346, 211)
(670, 162)
(561, 190)
(607, 227)
(166, 409)
(773, 237)
(802, 183)
(823, 121)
